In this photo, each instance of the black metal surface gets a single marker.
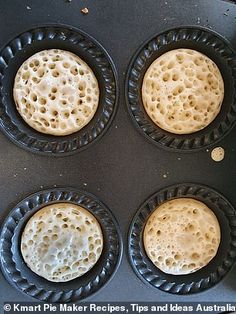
(205, 277)
(211, 45)
(123, 168)
(32, 41)
(20, 276)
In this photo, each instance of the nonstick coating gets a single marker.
(123, 168)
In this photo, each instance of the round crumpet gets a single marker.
(61, 242)
(56, 92)
(181, 236)
(182, 91)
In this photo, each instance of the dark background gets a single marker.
(122, 168)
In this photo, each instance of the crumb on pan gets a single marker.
(218, 153)
(165, 174)
(85, 10)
